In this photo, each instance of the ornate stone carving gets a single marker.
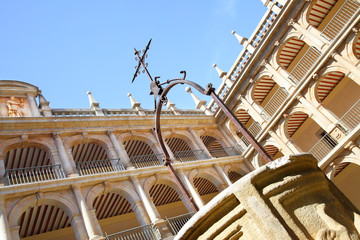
(15, 107)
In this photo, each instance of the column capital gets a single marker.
(334, 54)
(300, 97)
(350, 145)
(264, 63)
(315, 76)
(56, 134)
(75, 187)
(291, 22)
(110, 132)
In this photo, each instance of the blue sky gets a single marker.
(68, 47)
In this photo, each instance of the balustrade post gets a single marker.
(85, 213)
(4, 224)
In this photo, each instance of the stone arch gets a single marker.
(210, 175)
(234, 172)
(38, 152)
(149, 141)
(44, 144)
(186, 137)
(125, 190)
(88, 140)
(340, 163)
(313, 17)
(298, 112)
(353, 47)
(261, 88)
(215, 134)
(64, 201)
(288, 51)
(163, 190)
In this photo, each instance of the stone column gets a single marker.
(120, 150)
(354, 149)
(149, 206)
(199, 142)
(4, 225)
(277, 77)
(254, 112)
(78, 226)
(348, 65)
(63, 155)
(95, 222)
(140, 213)
(85, 213)
(195, 195)
(278, 140)
(323, 121)
(223, 175)
(15, 233)
(309, 38)
(2, 170)
(33, 107)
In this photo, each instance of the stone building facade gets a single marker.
(96, 172)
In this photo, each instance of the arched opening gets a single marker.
(269, 95)
(341, 95)
(356, 46)
(290, 52)
(253, 127)
(141, 155)
(182, 151)
(330, 16)
(167, 200)
(346, 179)
(233, 175)
(206, 189)
(92, 158)
(273, 152)
(301, 128)
(114, 213)
(319, 9)
(45, 221)
(215, 148)
(30, 164)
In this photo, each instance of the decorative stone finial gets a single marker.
(92, 101)
(199, 103)
(170, 105)
(241, 39)
(134, 103)
(220, 72)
